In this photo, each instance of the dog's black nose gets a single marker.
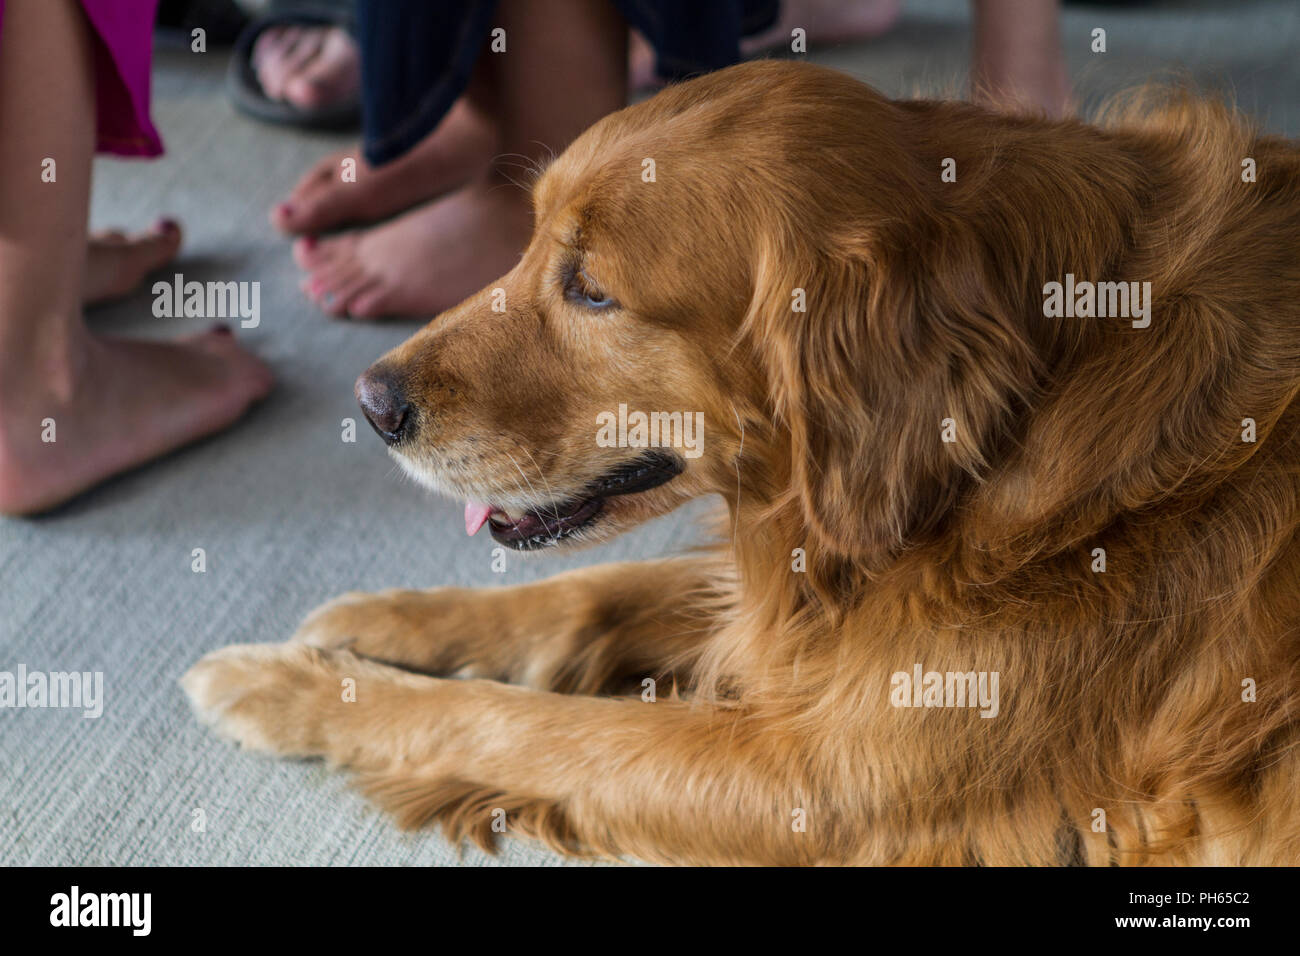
(385, 406)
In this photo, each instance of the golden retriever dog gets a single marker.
(1008, 572)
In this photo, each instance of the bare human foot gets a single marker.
(425, 260)
(116, 263)
(460, 148)
(307, 66)
(77, 408)
(117, 404)
(571, 73)
(824, 22)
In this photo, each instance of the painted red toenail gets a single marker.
(221, 329)
(309, 242)
(285, 210)
(167, 226)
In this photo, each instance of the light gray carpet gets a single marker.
(289, 515)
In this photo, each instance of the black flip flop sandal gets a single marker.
(246, 92)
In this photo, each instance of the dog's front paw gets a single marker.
(277, 698)
(407, 628)
(342, 622)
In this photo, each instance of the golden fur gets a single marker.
(1122, 690)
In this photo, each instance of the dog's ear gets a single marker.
(895, 390)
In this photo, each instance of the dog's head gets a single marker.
(693, 315)
(758, 284)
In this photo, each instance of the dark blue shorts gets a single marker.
(417, 55)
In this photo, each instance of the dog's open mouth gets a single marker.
(552, 523)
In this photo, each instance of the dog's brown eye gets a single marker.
(581, 290)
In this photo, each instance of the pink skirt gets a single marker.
(123, 39)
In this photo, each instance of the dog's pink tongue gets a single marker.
(476, 515)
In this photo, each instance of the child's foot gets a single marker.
(129, 402)
(116, 263)
(826, 22)
(460, 148)
(424, 261)
(307, 66)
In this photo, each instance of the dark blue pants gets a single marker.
(417, 55)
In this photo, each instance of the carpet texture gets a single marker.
(288, 514)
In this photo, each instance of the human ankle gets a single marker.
(49, 361)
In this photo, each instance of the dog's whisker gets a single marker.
(550, 508)
(541, 474)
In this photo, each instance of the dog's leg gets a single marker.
(669, 781)
(579, 632)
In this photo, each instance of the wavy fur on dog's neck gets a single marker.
(1123, 689)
